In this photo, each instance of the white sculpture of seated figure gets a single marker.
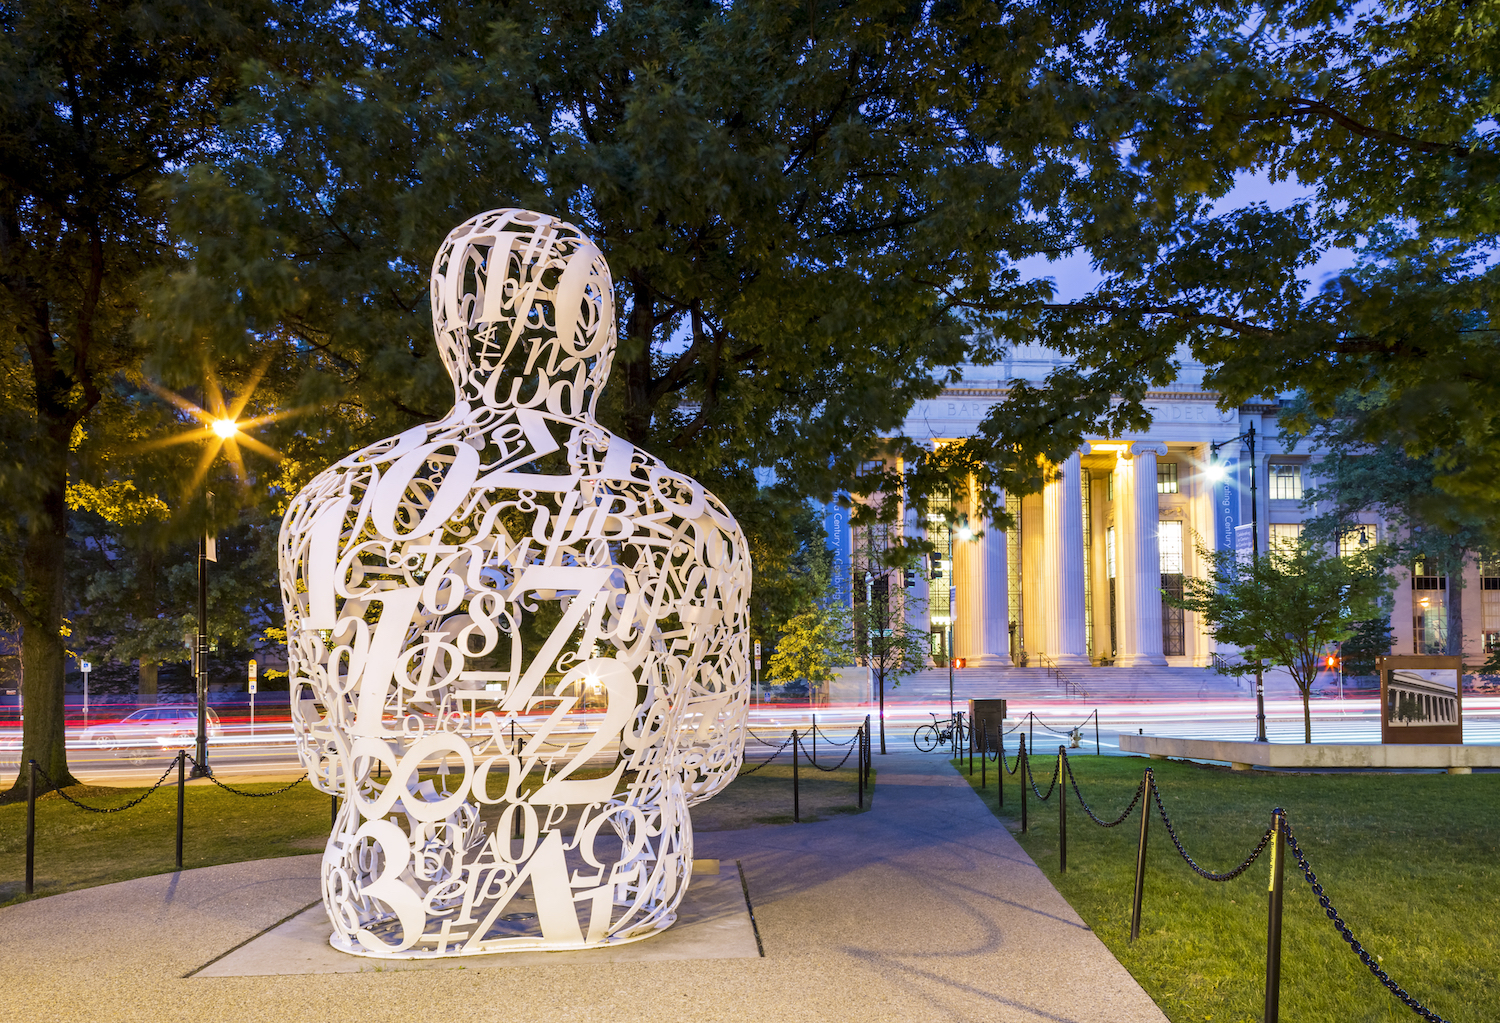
(480, 607)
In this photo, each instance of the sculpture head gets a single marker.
(524, 314)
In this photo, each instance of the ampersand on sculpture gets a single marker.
(517, 644)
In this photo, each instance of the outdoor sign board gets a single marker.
(988, 715)
(253, 675)
(1421, 699)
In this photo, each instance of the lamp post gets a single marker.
(1249, 438)
(207, 551)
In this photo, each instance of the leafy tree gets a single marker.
(890, 633)
(101, 99)
(1287, 606)
(812, 644)
(1385, 116)
(1356, 476)
(792, 562)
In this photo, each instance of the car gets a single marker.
(175, 725)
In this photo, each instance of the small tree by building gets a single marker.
(1288, 606)
(888, 641)
(812, 645)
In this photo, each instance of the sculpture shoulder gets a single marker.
(656, 485)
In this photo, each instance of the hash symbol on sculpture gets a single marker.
(482, 606)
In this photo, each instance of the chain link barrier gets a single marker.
(1148, 781)
(248, 795)
(774, 754)
(830, 739)
(1207, 875)
(105, 809)
(847, 754)
(1032, 779)
(1139, 791)
(1371, 963)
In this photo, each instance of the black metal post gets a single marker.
(1273, 919)
(181, 786)
(1031, 728)
(984, 736)
(971, 749)
(1021, 769)
(1000, 765)
(1062, 816)
(860, 767)
(1147, 779)
(200, 748)
(796, 795)
(31, 827)
(814, 758)
(1260, 681)
(1096, 732)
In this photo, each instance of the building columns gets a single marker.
(1139, 556)
(1062, 573)
(991, 610)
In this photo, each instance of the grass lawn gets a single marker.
(1411, 862)
(75, 849)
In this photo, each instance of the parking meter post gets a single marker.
(181, 785)
(30, 827)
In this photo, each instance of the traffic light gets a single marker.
(937, 565)
(909, 577)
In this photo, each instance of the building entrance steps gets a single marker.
(1098, 684)
(924, 908)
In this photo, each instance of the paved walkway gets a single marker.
(922, 909)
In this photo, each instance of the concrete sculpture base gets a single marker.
(1243, 756)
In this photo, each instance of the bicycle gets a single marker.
(939, 733)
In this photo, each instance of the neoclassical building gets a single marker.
(1080, 581)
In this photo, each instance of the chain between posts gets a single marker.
(107, 809)
(1139, 791)
(249, 795)
(1281, 823)
(774, 754)
(1348, 935)
(847, 754)
(1032, 779)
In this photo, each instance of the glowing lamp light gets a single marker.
(965, 533)
(226, 428)
(1215, 471)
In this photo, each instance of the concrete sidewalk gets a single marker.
(924, 908)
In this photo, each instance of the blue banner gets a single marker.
(1226, 497)
(836, 522)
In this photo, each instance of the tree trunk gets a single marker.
(1307, 716)
(146, 690)
(42, 657)
(1456, 606)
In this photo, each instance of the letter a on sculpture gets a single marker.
(517, 644)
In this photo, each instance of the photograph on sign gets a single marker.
(1416, 696)
(1421, 699)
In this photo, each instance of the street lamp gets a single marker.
(1215, 472)
(208, 550)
